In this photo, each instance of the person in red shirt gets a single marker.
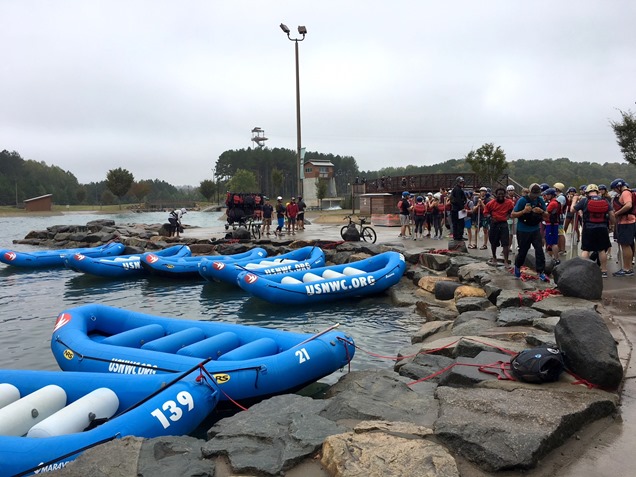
(292, 212)
(499, 211)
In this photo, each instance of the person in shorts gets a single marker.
(268, 209)
(625, 225)
(499, 211)
(553, 210)
(595, 233)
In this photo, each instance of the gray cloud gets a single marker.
(163, 88)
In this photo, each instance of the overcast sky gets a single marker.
(162, 88)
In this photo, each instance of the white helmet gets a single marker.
(184, 211)
(437, 195)
(510, 187)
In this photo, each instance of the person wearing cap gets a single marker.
(553, 210)
(529, 211)
(625, 225)
(458, 203)
(595, 235)
(300, 218)
(281, 210)
(175, 222)
(268, 209)
(292, 214)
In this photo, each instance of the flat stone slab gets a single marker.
(466, 371)
(555, 305)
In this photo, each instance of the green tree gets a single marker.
(277, 181)
(140, 190)
(321, 189)
(207, 188)
(119, 181)
(243, 181)
(625, 131)
(488, 162)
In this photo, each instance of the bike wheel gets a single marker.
(256, 232)
(369, 235)
(343, 230)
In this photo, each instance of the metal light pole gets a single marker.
(302, 31)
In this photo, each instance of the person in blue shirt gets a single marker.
(529, 211)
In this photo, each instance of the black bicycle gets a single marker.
(251, 224)
(366, 232)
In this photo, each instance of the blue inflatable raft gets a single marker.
(47, 418)
(124, 266)
(303, 258)
(55, 258)
(248, 361)
(369, 276)
(188, 267)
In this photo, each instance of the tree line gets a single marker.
(275, 171)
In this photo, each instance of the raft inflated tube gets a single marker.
(254, 349)
(349, 271)
(136, 337)
(18, 417)
(8, 394)
(288, 260)
(311, 277)
(102, 403)
(127, 259)
(174, 342)
(212, 347)
(332, 274)
(290, 281)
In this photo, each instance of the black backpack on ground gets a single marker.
(538, 365)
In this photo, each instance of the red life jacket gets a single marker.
(419, 208)
(596, 210)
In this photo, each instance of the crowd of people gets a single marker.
(290, 216)
(538, 216)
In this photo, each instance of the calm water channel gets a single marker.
(31, 300)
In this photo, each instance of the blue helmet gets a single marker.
(583, 187)
(571, 189)
(616, 183)
(602, 187)
(419, 198)
(550, 191)
(544, 187)
(405, 194)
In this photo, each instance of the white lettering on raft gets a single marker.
(51, 467)
(286, 268)
(339, 285)
(123, 366)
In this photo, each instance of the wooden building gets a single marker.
(44, 203)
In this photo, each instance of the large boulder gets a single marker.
(445, 290)
(580, 278)
(589, 348)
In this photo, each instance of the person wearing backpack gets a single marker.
(624, 205)
(597, 218)
(529, 210)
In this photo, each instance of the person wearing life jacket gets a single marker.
(553, 210)
(625, 213)
(300, 218)
(419, 216)
(529, 210)
(483, 219)
(292, 213)
(437, 212)
(268, 209)
(281, 211)
(429, 214)
(598, 217)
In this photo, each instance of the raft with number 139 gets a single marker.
(47, 418)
